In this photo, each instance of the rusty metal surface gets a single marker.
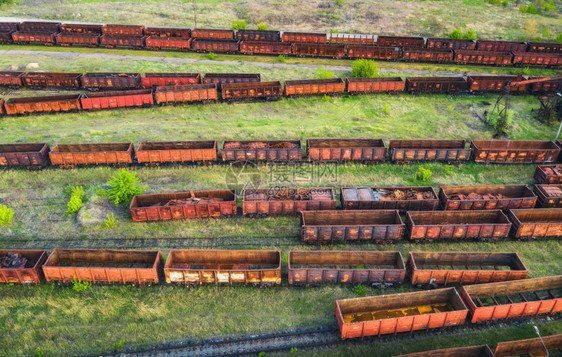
(9, 26)
(501, 46)
(471, 351)
(117, 99)
(258, 35)
(443, 268)
(39, 26)
(111, 41)
(530, 347)
(394, 325)
(375, 52)
(46, 38)
(186, 94)
(211, 203)
(314, 86)
(548, 174)
(494, 83)
(264, 150)
(176, 151)
(43, 104)
(213, 34)
(487, 225)
(30, 273)
(451, 44)
(483, 57)
(265, 47)
(427, 55)
(70, 155)
(96, 80)
(167, 32)
(397, 41)
(512, 196)
(352, 39)
(8, 78)
(282, 200)
(485, 301)
(122, 30)
(237, 91)
(305, 37)
(103, 266)
(249, 267)
(551, 47)
(436, 84)
(81, 28)
(345, 267)
(222, 78)
(548, 195)
(384, 84)
(428, 150)
(379, 226)
(536, 223)
(367, 198)
(199, 44)
(72, 38)
(547, 86)
(29, 155)
(150, 80)
(52, 79)
(317, 49)
(6, 37)
(179, 43)
(346, 150)
(514, 151)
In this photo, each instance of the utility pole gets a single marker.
(194, 13)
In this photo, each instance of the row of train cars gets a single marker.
(127, 90)
(442, 50)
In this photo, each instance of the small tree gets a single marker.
(496, 119)
(75, 202)
(123, 186)
(323, 73)
(6, 215)
(239, 25)
(456, 34)
(262, 26)
(364, 68)
(470, 35)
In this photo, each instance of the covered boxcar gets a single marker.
(71, 155)
(24, 266)
(284, 200)
(549, 196)
(181, 205)
(513, 299)
(43, 104)
(514, 151)
(314, 86)
(428, 150)
(265, 150)
(436, 225)
(396, 313)
(478, 197)
(536, 223)
(194, 267)
(443, 268)
(103, 266)
(381, 269)
(186, 94)
(411, 198)
(28, 155)
(369, 150)
(117, 99)
(158, 152)
(436, 84)
(378, 226)
(374, 85)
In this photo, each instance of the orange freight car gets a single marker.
(81, 28)
(450, 44)
(258, 35)
(11, 79)
(283, 200)
(185, 94)
(208, 45)
(374, 85)
(39, 26)
(25, 37)
(537, 58)
(483, 57)
(374, 52)
(113, 41)
(52, 79)
(43, 104)
(501, 46)
(167, 32)
(397, 41)
(411, 198)
(104, 80)
(305, 37)
(265, 150)
(319, 50)
(152, 152)
(548, 174)
(244, 91)
(214, 34)
(29, 269)
(28, 155)
(66, 39)
(549, 196)
(471, 351)
(314, 86)
(274, 48)
(530, 347)
(427, 55)
(478, 197)
(368, 150)
(494, 83)
(72, 155)
(176, 43)
(551, 47)
(514, 151)
(122, 30)
(428, 150)
(536, 223)
(117, 99)
(150, 80)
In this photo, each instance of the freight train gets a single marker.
(334, 45)
(128, 90)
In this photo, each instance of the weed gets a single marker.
(110, 221)
(448, 170)
(39, 352)
(505, 3)
(359, 290)
(451, 108)
(80, 286)
(262, 26)
(281, 59)
(326, 98)
(558, 38)
(526, 71)
(364, 68)
(529, 9)
(294, 350)
(117, 346)
(546, 33)
(550, 6)
(239, 25)
(123, 186)
(386, 109)
(531, 29)
(6, 215)
(261, 354)
(285, 259)
(470, 35)
(211, 55)
(497, 121)
(323, 73)
(423, 174)
(340, 2)
(75, 202)
(456, 34)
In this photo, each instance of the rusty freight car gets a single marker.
(247, 91)
(305, 37)
(314, 86)
(374, 52)
(283, 200)
(378, 226)
(28, 155)
(176, 43)
(72, 155)
(208, 45)
(9, 26)
(537, 58)
(117, 99)
(122, 30)
(103, 266)
(39, 26)
(266, 150)
(43, 104)
(167, 32)
(513, 299)
(536, 223)
(26, 37)
(274, 48)
(81, 28)
(450, 44)
(551, 47)
(397, 41)
(153, 152)
(380, 269)
(352, 39)
(427, 55)
(549, 196)
(428, 150)
(429, 269)
(501, 46)
(150, 80)
(546, 86)
(113, 41)
(222, 78)
(471, 351)
(396, 313)
(368, 150)
(530, 347)
(180, 205)
(514, 151)
(494, 83)
(375, 85)
(213, 34)
(102, 80)
(11, 79)
(6, 37)
(258, 35)
(67, 39)
(436, 84)
(411, 198)
(193, 267)
(21, 266)
(319, 50)
(186, 94)
(488, 225)
(483, 57)
(548, 174)
(52, 79)
(479, 197)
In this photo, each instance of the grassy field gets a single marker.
(427, 18)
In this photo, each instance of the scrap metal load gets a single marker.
(398, 195)
(554, 170)
(185, 201)
(287, 195)
(13, 261)
(552, 190)
(260, 145)
(477, 196)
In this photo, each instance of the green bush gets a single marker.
(323, 73)
(211, 55)
(6, 2)
(117, 346)
(550, 6)
(6, 215)
(340, 2)
(239, 25)
(505, 3)
(123, 186)
(495, 2)
(546, 33)
(529, 9)
(470, 35)
(423, 174)
(364, 68)
(456, 34)
(526, 71)
(558, 38)
(110, 221)
(496, 121)
(75, 202)
(262, 26)
(281, 59)
(386, 109)
(359, 290)
(80, 286)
